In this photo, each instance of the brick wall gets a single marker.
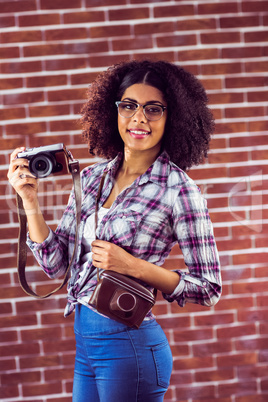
(50, 51)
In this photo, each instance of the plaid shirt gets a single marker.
(160, 208)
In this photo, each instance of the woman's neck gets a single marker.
(136, 163)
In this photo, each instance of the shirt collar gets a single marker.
(158, 172)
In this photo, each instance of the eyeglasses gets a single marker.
(151, 111)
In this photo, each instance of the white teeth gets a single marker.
(139, 132)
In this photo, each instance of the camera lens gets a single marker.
(41, 165)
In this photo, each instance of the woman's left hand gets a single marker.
(107, 255)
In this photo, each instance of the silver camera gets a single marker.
(46, 160)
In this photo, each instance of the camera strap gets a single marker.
(22, 247)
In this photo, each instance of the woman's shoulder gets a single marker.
(178, 177)
(94, 170)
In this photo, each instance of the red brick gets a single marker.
(12, 113)
(7, 364)
(258, 36)
(221, 374)
(201, 392)
(227, 157)
(251, 344)
(21, 67)
(171, 11)
(252, 398)
(53, 110)
(83, 17)
(234, 113)
(253, 67)
(211, 348)
(64, 125)
(59, 4)
(30, 362)
(219, 8)
(254, 6)
(20, 349)
(18, 378)
(176, 40)
(172, 322)
(67, 94)
(238, 359)
(207, 173)
(234, 302)
(43, 50)
(128, 44)
(221, 68)
(214, 319)
(62, 345)
(9, 391)
(46, 80)
(105, 61)
(9, 52)
(10, 83)
(246, 171)
(238, 388)
(63, 374)
(65, 34)
(192, 334)
(253, 315)
(26, 128)
(247, 141)
(38, 19)
(8, 336)
(42, 389)
(153, 28)
(66, 64)
(261, 96)
(244, 82)
(21, 36)
(7, 21)
(109, 31)
(221, 37)
(249, 287)
(243, 21)
(238, 52)
(23, 5)
(196, 24)
(193, 363)
(83, 78)
(223, 128)
(258, 125)
(128, 13)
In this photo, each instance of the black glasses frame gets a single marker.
(143, 107)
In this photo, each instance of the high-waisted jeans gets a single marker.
(115, 363)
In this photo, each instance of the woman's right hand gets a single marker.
(21, 179)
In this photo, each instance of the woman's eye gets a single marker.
(153, 109)
(129, 106)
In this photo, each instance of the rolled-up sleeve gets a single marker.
(53, 253)
(194, 233)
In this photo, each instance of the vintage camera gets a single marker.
(46, 160)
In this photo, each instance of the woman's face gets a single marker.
(137, 132)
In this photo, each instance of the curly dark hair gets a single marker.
(189, 122)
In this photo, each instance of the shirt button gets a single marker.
(204, 284)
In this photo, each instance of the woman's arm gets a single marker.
(110, 256)
(49, 250)
(26, 185)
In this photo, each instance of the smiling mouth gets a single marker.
(139, 133)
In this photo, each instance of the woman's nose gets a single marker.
(139, 115)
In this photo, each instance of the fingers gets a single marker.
(15, 162)
(15, 153)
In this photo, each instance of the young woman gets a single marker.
(150, 121)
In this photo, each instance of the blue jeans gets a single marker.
(117, 363)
